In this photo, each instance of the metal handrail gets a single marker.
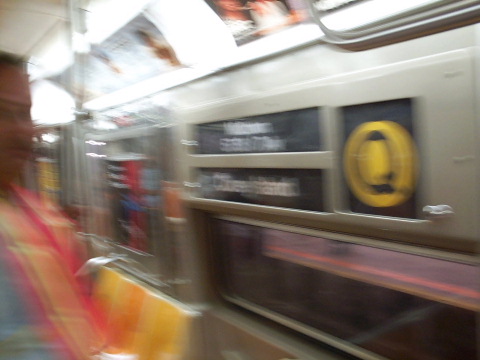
(429, 19)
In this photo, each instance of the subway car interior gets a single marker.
(216, 159)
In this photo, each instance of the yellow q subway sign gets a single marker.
(380, 163)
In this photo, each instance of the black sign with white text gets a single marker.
(290, 131)
(288, 188)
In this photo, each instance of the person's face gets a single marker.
(231, 5)
(16, 127)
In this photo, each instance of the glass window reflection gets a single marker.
(395, 304)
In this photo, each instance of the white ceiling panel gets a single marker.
(24, 24)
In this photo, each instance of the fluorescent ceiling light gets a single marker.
(52, 55)
(277, 42)
(198, 35)
(368, 12)
(145, 88)
(51, 105)
(50, 138)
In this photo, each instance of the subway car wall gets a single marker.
(333, 204)
(315, 201)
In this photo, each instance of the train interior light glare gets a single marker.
(51, 105)
(367, 12)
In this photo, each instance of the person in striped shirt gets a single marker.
(43, 312)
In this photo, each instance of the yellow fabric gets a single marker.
(124, 317)
(105, 290)
(163, 330)
(140, 321)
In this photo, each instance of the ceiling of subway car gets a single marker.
(32, 28)
(25, 24)
(29, 27)
(52, 33)
(41, 32)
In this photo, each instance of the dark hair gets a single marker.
(142, 34)
(13, 59)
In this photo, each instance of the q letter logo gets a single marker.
(380, 163)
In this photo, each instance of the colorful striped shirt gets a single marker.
(44, 314)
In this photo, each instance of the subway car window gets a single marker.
(394, 304)
(134, 192)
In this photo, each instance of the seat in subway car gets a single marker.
(164, 329)
(105, 289)
(124, 316)
(141, 323)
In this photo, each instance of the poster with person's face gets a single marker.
(136, 52)
(248, 20)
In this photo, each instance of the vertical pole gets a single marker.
(76, 85)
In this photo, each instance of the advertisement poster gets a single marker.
(327, 5)
(136, 52)
(248, 20)
(130, 214)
